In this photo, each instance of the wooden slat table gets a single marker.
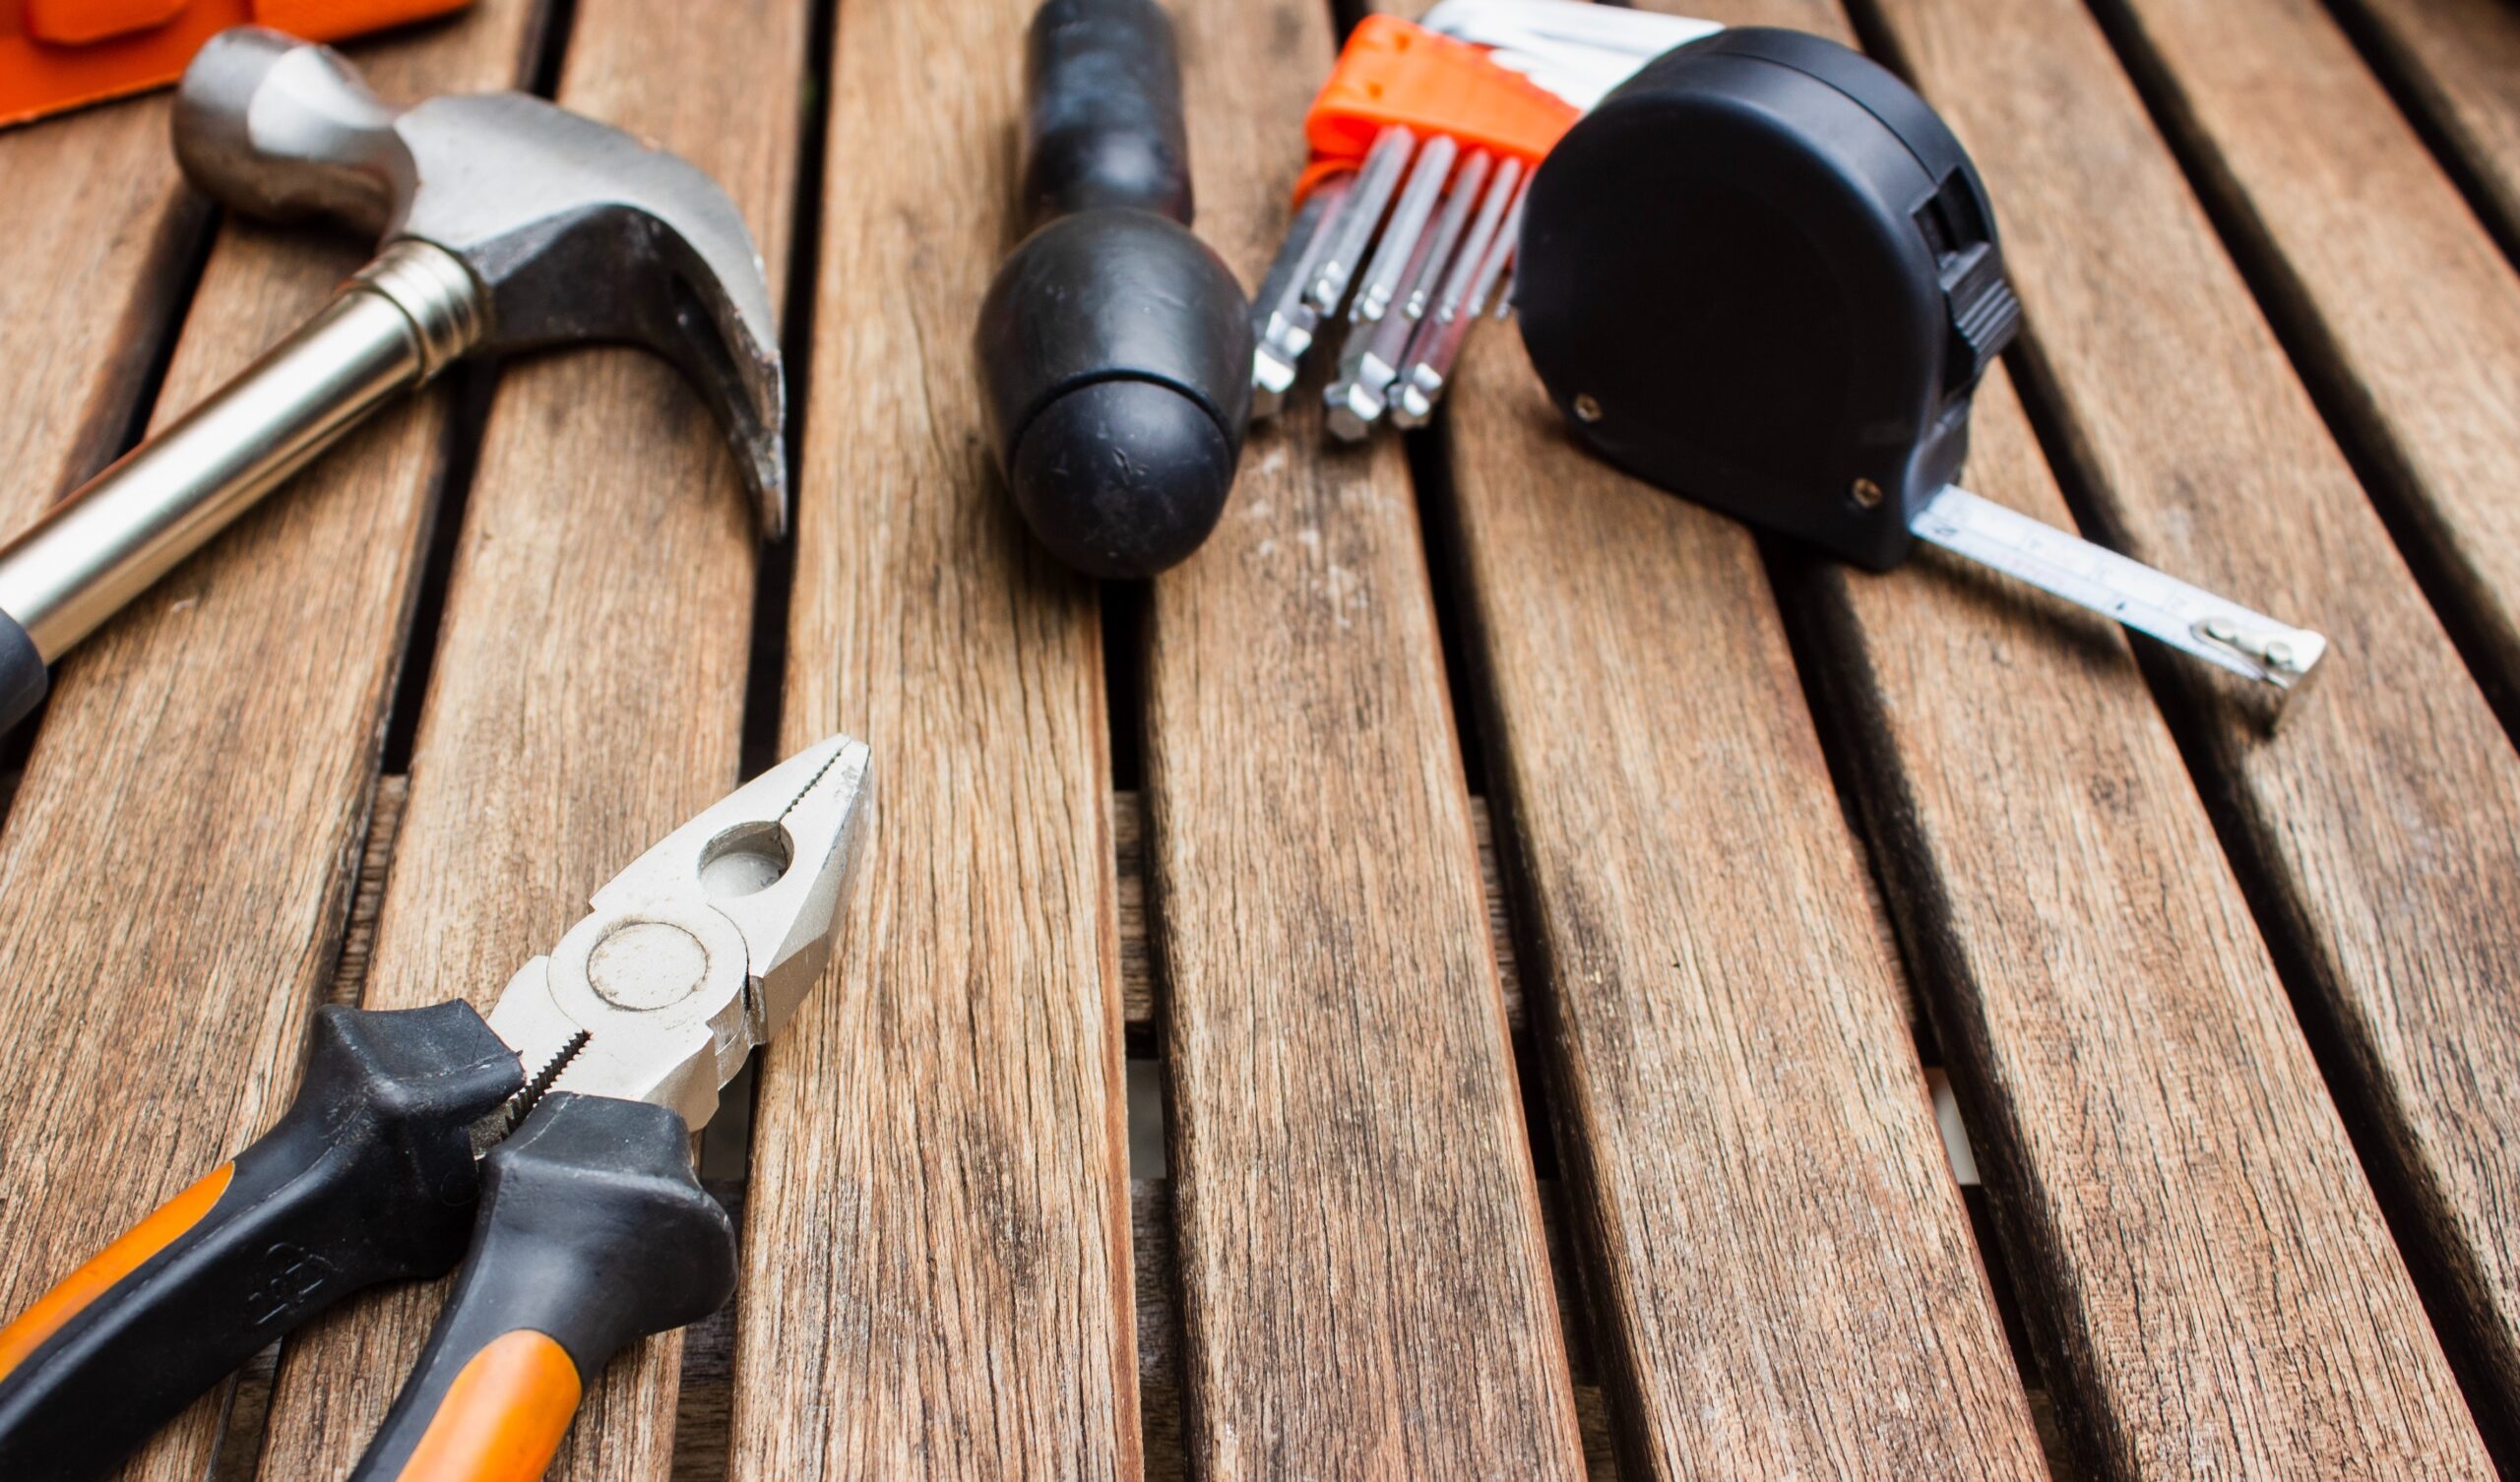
(1539, 912)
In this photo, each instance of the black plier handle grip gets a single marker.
(586, 1229)
(588, 1226)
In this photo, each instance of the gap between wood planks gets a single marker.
(774, 587)
(2141, 45)
(2381, 462)
(2390, 35)
(470, 386)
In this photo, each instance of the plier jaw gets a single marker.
(702, 949)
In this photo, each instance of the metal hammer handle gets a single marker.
(402, 317)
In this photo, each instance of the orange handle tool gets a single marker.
(593, 1232)
(1392, 72)
(59, 54)
(367, 1179)
(502, 1415)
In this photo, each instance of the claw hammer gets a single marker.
(507, 223)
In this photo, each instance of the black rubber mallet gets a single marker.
(1114, 346)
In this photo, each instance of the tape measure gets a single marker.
(1764, 276)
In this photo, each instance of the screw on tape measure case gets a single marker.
(1764, 275)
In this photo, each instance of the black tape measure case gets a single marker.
(1763, 275)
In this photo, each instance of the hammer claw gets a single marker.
(574, 230)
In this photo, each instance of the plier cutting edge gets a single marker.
(557, 1132)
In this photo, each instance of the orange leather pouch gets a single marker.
(57, 54)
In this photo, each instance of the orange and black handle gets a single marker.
(593, 1232)
(369, 1176)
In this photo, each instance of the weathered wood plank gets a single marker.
(1751, 1157)
(2408, 312)
(2416, 317)
(936, 1272)
(1137, 975)
(587, 690)
(177, 866)
(1365, 1283)
(2173, 1180)
(700, 1440)
(2383, 826)
(98, 257)
(2460, 62)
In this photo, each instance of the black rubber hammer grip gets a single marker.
(1114, 347)
(22, 676)
(1103, 112)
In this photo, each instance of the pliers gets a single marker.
(556, 1132)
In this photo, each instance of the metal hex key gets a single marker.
(1377, 180)
(1283, 319)
(1398, 245)
(1433, 263)
(1475, 271)
(1377, 348)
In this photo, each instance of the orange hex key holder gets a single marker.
(1420, 145)
(61, 54)
(1393, 73)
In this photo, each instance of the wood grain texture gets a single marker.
(937, 1261)
(2381, 826)
(2460, 62)
(1137, 974)
(176, 867)
(2209, 1281)
(2415, 314)
(2408, 310)
(1780, 1265)
(587, 690)
(700, 1440)
(101, 234)
(707, 1398)
(705, 1403)
(1364, 1285)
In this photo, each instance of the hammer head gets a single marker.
(574, 229)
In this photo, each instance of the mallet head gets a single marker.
(574, 230)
